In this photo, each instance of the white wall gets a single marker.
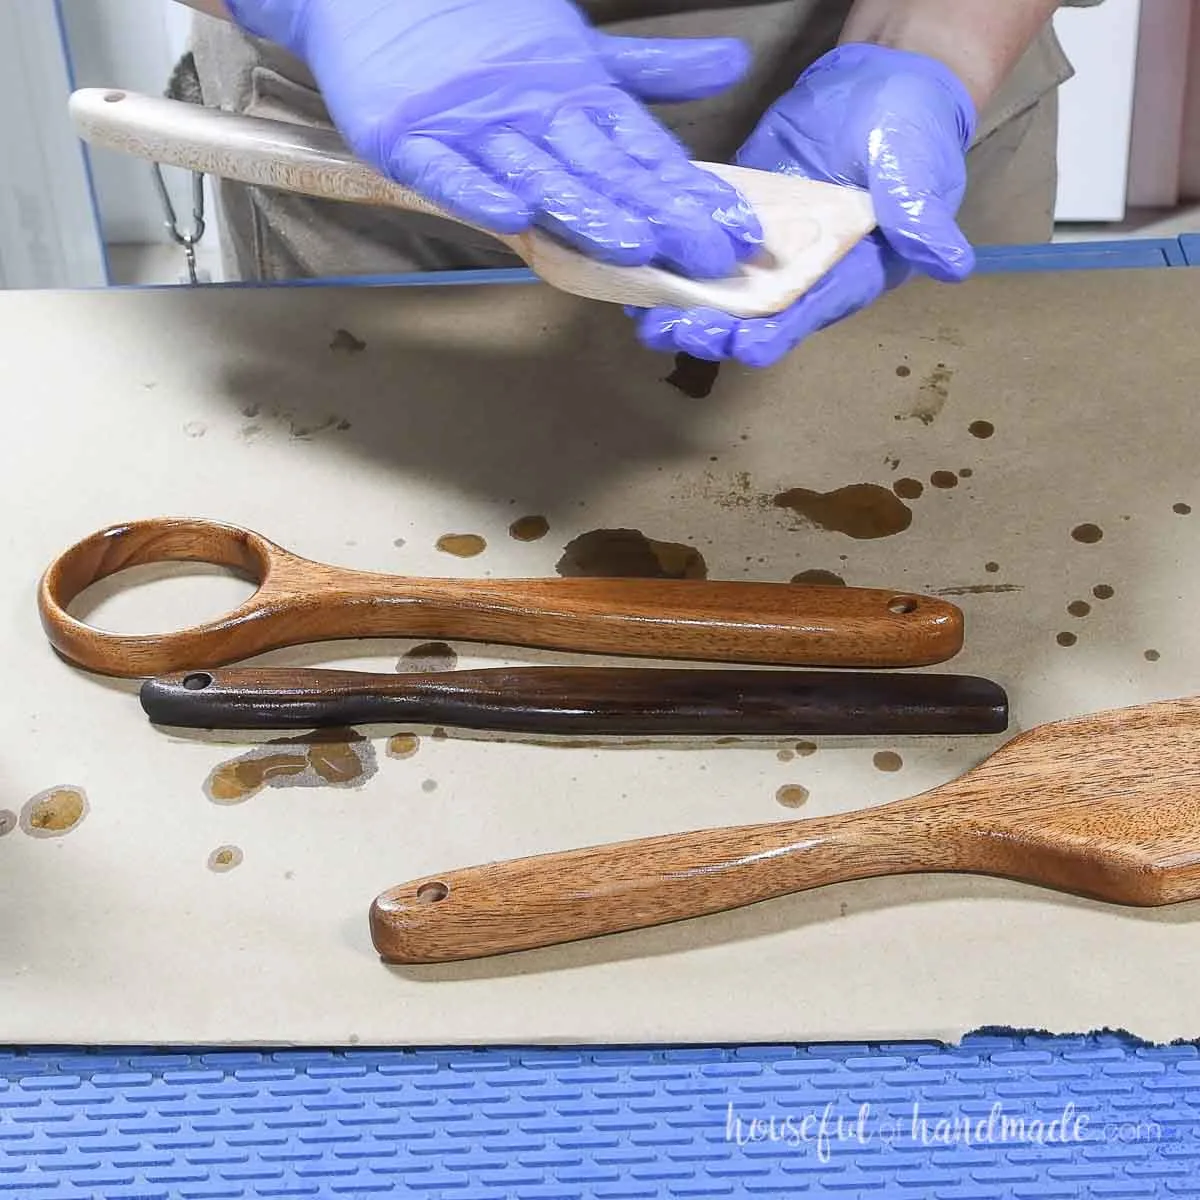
(48, 232)
(131, 44)
(1096, 109)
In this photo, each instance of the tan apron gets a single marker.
(270, 235)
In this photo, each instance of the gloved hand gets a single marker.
(514, 112)
(895, 123)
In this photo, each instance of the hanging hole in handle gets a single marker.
(902, 605)
(113, 97)
(432, 893)
(197, 681)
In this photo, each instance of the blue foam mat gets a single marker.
(1027, 1117)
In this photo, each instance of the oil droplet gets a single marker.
(429, 785)
(336, 757)
(629, 554)
(1152, 656)
(786, 755)
(1182, 509)
(529, 529)
(887, 760)
(819, 577)
(428, 657)
(1066, 639)
(232, 782)
(804, 749)
(8, 821)
(981, 429)
(54, 812)
(346, 343)
(991, 567)
(944, 479)
(908, 489)
(403, 745)
(694, 377)
(1087, 533)
(1102, 591)
(461, 545)
(792, 795)
(225, 858)
(903, 371)
(859, 510)
(335, 762)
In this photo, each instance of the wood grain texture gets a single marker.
(1106, 806)
(608, 701)
(807, 225)
(300, 601)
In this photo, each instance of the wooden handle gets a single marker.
(299, 601)
(553, 898)
(582, 700)
(807, 225)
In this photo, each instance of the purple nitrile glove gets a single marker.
(895, 123)
(510, 113)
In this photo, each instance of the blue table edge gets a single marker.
(1124, 254)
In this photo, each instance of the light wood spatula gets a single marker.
(808, 226)
(1105, 806)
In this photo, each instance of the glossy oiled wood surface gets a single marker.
(1106, 805)
(301, 601)
(609, 701)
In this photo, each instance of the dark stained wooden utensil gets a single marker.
(1106, 806)
(301, 601)
(612, 701)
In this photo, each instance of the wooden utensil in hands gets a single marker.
(808, 226)
(1106, 805)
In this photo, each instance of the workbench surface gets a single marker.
(358, 426)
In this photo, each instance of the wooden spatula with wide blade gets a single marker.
(1106, 805)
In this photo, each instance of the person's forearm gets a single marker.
(980, 40)
(214, 8)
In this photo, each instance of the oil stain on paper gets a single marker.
(859, 510)
(629, 554)
(819, 577)
(931, 396)
(427, 658)
(529, 529)
(324, 758)
(461, 545)
(225, 858)
(54, 812)
(792, 795)
(403, 745)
